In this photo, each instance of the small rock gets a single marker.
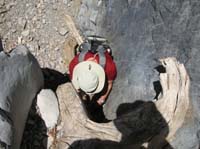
(43, 21)
(57, 49)
(69, 5)
(65, 1)
(93, 16)
(13, 30)
(25, 33)
(30, 39)
(63, 31)
(34, 19)
(2, 2)
(38, 26)
(48, 107)
(19, 40)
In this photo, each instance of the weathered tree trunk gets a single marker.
(148, 122)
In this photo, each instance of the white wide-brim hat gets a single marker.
(89, 77)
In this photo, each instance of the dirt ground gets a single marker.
(41, 26)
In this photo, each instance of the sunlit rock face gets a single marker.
(140, 32)
(21, 78)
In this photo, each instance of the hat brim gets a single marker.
(96, 68)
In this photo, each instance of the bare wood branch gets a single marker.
(173, 106)
(73, 29)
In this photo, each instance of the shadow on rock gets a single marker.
(1, 45)
(35, 132)
(53, 78)
(93, 109)
(141, 125)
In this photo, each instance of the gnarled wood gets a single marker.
(143, 124)
(175, 100)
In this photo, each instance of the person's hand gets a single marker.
(101, 100)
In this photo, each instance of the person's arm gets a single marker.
(111, 73)
(103, 98)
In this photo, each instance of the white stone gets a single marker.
(43, 21)
(25, 33)
(63, 31)
(48, 107)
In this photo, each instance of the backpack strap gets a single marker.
(102, 58)
(100, 50)
(85, 47)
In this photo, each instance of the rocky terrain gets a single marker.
(40, 26)
(140, 32)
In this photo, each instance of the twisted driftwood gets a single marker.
(169, 113)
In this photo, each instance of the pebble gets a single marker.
(43, 21)
(25, 33)
(13, 30)
(2, 2)
(19, 40)
(57, 49)
(63, 31)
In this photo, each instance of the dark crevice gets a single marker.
(158, 88)
(53, 78)
(160, 69)
(35, 133)
(93, 110)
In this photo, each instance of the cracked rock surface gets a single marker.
(140, 32)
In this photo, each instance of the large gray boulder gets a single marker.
(21, 79)
(140, 32)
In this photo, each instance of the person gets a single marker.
(92, 78)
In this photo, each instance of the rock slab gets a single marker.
(140, 32)
(21, 79)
